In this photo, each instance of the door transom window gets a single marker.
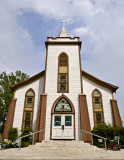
(63, 106)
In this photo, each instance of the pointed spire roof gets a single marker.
(63, 32)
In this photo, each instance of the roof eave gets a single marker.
(24, 82)
(112, 87)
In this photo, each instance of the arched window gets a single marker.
(63, 106)
(63, 73)
(28, 109)
(97, 108)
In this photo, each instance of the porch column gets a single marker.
(84, 118)
(116, 114)
(41, 118)
(10, 118)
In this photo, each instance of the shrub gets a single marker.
(122, 146)
(27, 140)
(101, 145)
(25, 144)
(110, 132)
(13, 134)
(9, 144)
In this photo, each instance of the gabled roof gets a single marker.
(63, 32)
(85, 74)
(100, 82)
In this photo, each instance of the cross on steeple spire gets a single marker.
(64, 22)
(63, 32)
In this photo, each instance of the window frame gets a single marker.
(58, 87)
(30, 108)
(97, 109)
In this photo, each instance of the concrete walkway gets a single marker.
(30, 154)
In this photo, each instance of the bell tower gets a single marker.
(63, 57)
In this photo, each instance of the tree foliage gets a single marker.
(6, 94)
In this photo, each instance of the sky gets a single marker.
(26, 24)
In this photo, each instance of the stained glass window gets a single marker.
(68, 120)
(57, 121)
(97, 107)
(29, 101)
(96, 94)
(27, 119)
(30, 93)
(98, 118)
(28, 110)
(63, 59)
(63, 106)
(63, 82)
(63, 73)
(96, 99)
(97, 102)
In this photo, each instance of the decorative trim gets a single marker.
(67, 74)
(45, 69)
(112, 95)
(71, 38)
(116, 113)
(62, 43)
(52, 112)
(10, 118)
(14, 93)
(84, 118)
(36, 136)
(42, 116)
(79, 47)
(62, 113)
(25, 107)
(101, 105)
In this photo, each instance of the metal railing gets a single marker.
(95, 136)
(20, 138)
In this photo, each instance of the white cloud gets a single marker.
(81, 31)
(16, 44)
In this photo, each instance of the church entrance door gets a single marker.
(63, 126)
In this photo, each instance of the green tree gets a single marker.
(6, 94)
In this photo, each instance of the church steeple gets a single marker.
(63, 32)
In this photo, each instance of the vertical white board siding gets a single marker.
(88, 87)
(37, 86)
(52, 79)
(52, 68)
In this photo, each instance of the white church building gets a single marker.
(63, 99)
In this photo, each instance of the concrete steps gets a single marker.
(66, 146)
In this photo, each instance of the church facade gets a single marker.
(63, 99)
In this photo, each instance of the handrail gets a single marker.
(20, 138)
(96, 136)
